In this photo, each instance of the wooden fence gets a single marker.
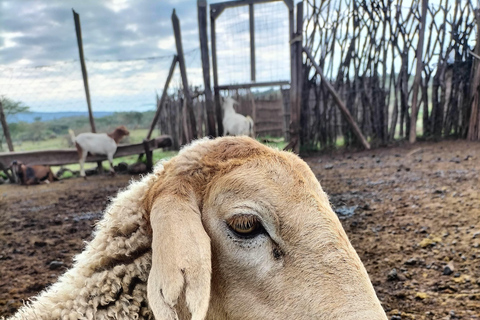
(368, 51)
(268, 112)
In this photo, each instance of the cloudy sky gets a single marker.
(128, 46)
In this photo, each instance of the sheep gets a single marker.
(29, 175)
(227, 229)
(98, 143)
(233, 123)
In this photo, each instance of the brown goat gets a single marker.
(29, 175)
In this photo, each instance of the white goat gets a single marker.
(233, 123)
(228, 229)
(97, 143)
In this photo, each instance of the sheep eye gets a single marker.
(245, 226)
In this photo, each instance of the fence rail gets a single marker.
(70, 156)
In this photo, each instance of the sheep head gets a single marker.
(241, 231)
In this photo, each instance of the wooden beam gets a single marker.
(296, 79)
(252, 85)
(474, 121)
(474, 55)
(218, 107)
(148, 153)
(289, 4)
(418, 75)
(70, 156)
(6, 131)
(78, 30)
(202, 33)
(252, 41)
(164, 96)
(338, 101)
(183, 72)
(217, 8)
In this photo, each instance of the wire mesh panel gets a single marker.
(115, 85)
(233, 45)
(271, 32)
(272, 48)
(54, 87)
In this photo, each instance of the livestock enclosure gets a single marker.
(367, 51)
(401, 71)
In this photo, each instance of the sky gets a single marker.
(129, 46)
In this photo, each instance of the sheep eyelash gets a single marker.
(243, 221)
(245, 226)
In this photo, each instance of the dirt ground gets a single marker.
(411, 212)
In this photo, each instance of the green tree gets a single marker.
(131, 118)
(11, 107)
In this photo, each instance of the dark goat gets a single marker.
(29, 175)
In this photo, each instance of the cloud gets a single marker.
(107, 28)
(117, 5)
(42, 33)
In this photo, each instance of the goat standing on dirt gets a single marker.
(233, 123)
(29, 175)
(98, 143)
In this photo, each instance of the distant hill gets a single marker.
(30, 117)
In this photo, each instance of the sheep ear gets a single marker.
(181, 259)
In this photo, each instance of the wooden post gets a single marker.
(254, 111)
(252, 41)
(148, 152)
(6, 131)
(78, 29)
(338, 101)
(474, 123)
(254, 106)
(418, 76)
(202, 32)
(296, 78)
(299, 70)
(162, 99)
(218, 107)
(183, 72)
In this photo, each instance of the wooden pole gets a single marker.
(418, 76)
(296, 78)
(254, 111)
(202, 32)
(78, 30)
(474, 123)
(252, 41)
(218, 107)
(162, 99)
(338, 101)
(148, 152)
(6, 131)
(183, 72)
(299, 70)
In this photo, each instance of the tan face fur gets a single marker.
(264, 228)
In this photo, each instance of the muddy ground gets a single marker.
(416, 210)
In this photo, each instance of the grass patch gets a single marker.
(63, 142)
(157, 155)
(274, 142)
(50, 144)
